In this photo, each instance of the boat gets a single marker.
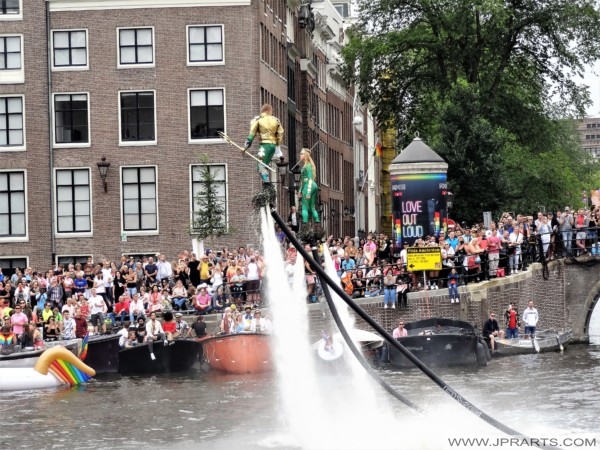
(544, 341)
(239, 353)
(28, 356)
(102, 353)
(55, 367)
(441, 342)
(181, 355)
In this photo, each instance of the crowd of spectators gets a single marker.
(64, 301)
(372, 266)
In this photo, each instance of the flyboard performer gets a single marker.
(270, 133)
(309, 188)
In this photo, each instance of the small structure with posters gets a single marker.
(419, 194)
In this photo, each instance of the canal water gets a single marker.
(540, 395)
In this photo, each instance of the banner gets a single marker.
(418, 207)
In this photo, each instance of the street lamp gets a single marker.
(282, 169)
(103, 169)
(296, 171)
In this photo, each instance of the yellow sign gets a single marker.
(423, 258)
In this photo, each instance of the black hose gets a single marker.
(355, 351)
(363, 315)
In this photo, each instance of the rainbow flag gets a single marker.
(84, 347)
(378, 150)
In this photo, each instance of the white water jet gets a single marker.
(319, 409)
(326, 408)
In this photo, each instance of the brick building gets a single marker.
(146, 86)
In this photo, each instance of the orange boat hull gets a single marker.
(239, 353)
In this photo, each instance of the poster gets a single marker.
(418, 207)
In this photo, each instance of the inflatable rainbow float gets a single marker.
(55, 367)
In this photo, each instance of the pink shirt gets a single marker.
(399, 333)
(18, 321)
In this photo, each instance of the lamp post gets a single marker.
(103, 169)
(282, 169)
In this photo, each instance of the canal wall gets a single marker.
(564, 294)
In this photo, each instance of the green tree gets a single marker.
(488, 84)
(209, 217)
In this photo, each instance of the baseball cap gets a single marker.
(178, 315)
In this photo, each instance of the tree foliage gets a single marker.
(489, 85)
(209, 218)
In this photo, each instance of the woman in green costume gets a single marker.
(309, 187)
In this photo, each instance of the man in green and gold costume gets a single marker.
(270, 133)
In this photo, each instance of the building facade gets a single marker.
(589, 132)
(141, 89)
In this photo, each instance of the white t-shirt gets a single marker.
(252, 271)
(96, 304)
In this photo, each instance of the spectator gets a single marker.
(491, 330)
(182, 329)
(81, 325)
(530, 317)
(68, 326)
(203, 301)
(199, 327)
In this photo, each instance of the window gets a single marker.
(136, 46)
(207, 113)
(10, 52)
(140, 212)
(71, 119)
(10, 265)
(10, 9)
(75, 259)
(73, 212)
(69, 49)
(205, 44)
(12, 204)
(11, 59)
(137, 117)
(11, 122)
(219, 175)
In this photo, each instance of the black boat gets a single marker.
(441, 342)
(103, 353)
(177, 357)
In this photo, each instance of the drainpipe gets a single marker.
(50, 126)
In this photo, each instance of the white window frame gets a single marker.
(189, 112)
(16, 148)
(191, 187)
(139, 232)
(19, 16)
(13, 76)
(136, 65)
(25, 238)
(71, 144)
(205, 63)
(87, 52)
(73, 234)
(137, 143)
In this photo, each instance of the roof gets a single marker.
(417, 152)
